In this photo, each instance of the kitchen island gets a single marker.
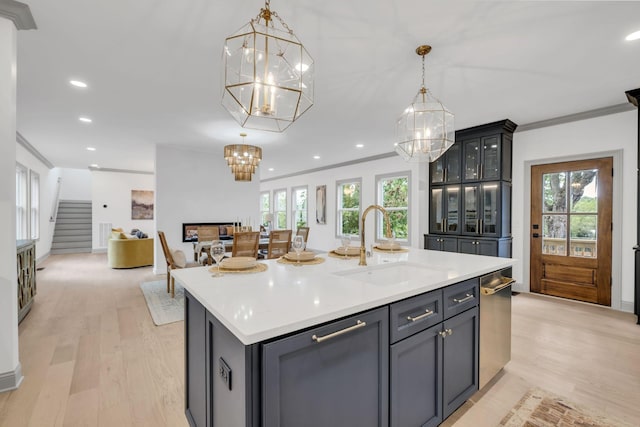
(393, 343)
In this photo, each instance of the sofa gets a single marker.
(126, 252)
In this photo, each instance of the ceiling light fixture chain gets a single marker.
(268, 74)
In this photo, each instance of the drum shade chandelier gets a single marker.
(242, 159)
(268, 74)
(425, 129)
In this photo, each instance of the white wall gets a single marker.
(75, 184)
(9, 363)
(48, 189)
(113, 189)
(323, 237)
(591, 138)
(193, 186)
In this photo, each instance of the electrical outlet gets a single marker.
(225, 372)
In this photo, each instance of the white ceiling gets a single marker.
(153, 69)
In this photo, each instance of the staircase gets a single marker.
(72, 233)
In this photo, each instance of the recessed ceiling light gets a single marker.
(359, 145)
(91, 149)
(85, 119)
(78, 83)
(633, 36)
(271, 169)
(94, 166)
(316, 157)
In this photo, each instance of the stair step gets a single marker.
(61, 228)
(73, 221)
(69, 251)
(75, 231)
(74, 209)
(73, 215)
(75, 202)
(73, 238)
(69, 245)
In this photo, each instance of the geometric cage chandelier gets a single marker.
(425, 129)
(242, 159)
(268, 74)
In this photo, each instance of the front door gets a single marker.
(571, 229)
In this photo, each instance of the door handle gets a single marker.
(536, 235)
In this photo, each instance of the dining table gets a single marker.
(263, 244)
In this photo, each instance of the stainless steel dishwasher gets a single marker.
(495, 323)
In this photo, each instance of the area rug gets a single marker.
(162, 307)
(539, 408)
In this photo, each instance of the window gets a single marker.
(299, 207)
(265, 207)
(393, 195)
(348, 207)
(22, 223)
(280, 209)
(34, 189)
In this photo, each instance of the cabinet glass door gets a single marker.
(453, 207)
(490, 158)
(437, 170)
(471, 218)
(490, 209)
(437, 210)
(453, 164)
(472, 160)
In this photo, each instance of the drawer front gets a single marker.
(415, 314)
(460, 297)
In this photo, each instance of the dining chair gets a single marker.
(304, 232)
(279, 243)
(246, 244)
(173, 263)
(206, 235)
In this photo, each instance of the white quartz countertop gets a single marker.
(285, 298)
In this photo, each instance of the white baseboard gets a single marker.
(42, 258)
(99, 250)
(626, 306)
(11, 380)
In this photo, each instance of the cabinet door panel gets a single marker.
(467, 246)
(196, 365)
(460, 362)
(471, 204)
(436, 170)
(452, 220)
(432, 243)
(491, 157)
(452, 164)
(450, 244)
(436, 223)
(490, 209)
(487, 247)
(416, 380)
(471, 159)
(340, 381)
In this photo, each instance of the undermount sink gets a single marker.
(394, 274)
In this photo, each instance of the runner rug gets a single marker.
(162, 307)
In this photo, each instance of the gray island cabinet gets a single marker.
(282, 348)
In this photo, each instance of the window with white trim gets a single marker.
(280, 209)
(393, 195)
(22, 200)
(265, 207)
(349, 202)
(299, 207)
(34, 207)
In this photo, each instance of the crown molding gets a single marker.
(598, 112)
(31, 149)
(19, 13)
(92, 169)
(634, 96)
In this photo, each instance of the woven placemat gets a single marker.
(390, 251)
(334, 254)
(314, 261)
(258, 268)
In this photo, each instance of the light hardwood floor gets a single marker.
(92, 356)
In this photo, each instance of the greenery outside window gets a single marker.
(393, 195)
(34, 208)
(280, 209)
(22, 192)
(299, 207)
(348, 207)
(265, 207)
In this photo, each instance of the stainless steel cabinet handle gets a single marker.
(427, 313)
(443, 334)
(448, 331)
(465, 299)
(359, 324)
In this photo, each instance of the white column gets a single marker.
(9, 363)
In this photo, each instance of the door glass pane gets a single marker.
(470, 209)
(453, 198)
(490, 208)
(437, 172)
(584, 235)
(471, 159)
(453, 163)
(554, 234)
(554, 192)
(584, 191)
(490, 155)
(436, 209)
